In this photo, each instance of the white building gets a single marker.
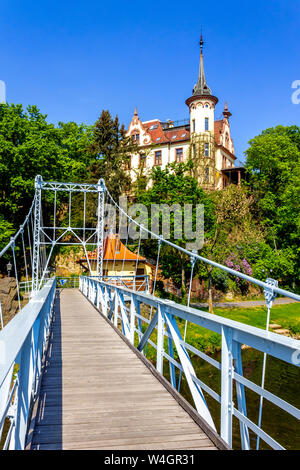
(206, 141)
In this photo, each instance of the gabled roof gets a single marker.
(114, 249)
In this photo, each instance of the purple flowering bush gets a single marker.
(241, 266)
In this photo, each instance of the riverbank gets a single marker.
(244, 303)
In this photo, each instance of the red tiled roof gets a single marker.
(156, 135)
(218, 130)
(160, 135)
(112, 242)
(177, 135)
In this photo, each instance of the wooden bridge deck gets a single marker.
(96, 393)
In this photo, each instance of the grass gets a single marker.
(287, 315)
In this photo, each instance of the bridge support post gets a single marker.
(100, 227)
(226, 385)
(36, 234)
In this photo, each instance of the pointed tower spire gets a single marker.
(201, 87)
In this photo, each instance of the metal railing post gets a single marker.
(24, 392)
(160, 340)
(226, 385)
(116, 309)
(240, 394)
(133, 310)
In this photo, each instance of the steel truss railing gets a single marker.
(22, 346)
(138, 283)
(123, 306)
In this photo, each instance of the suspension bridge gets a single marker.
(74, 362)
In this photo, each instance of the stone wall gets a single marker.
(8, 298)
(66, 263)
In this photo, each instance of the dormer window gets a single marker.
(158, 139)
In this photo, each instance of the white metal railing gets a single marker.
(139, 282)
(123, 306)
(22, 344)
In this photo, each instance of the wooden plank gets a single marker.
(97, 394)
(48, 434)
(194, 445)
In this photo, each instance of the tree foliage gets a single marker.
(173, 186)
(273, 164)
(29, 145)
(109, 151)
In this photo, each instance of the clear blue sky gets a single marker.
(74, 58)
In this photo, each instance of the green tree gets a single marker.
(110, 151)
(174, 185)
(234, 228)
(273, 165)
(29, 145)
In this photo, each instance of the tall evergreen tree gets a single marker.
(110, 150)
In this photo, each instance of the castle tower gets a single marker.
(202, 116)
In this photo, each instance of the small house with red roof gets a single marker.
(117, 260)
